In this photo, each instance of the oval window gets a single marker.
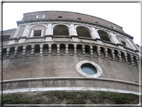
(89, 69)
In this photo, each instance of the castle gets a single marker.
(59, 50)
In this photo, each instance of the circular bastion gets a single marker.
(68, 51)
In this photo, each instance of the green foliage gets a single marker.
(64, 97)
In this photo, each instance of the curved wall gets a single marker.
(70, 15)
(65, 66)
(48, 51)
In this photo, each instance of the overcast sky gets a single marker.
(126, 15)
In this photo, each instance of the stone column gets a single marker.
(32, 50)
(7, 52)
(75, 46)
(137, 59)
(17, 31)
(99, 51)
(49, 48)
(94, 33)
(24, 50)
(49, 29)
(41, 49)
(83, 49)
(72, 30)
(106, 53)
(126, 59)
(58, 49)
(119, 55)
(91, 51)
(26, 31)
(132, 61)
(114, 39)
(66, 49)
(15, 52)
(132, 46)
(113, 55)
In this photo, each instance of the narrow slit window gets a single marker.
(112, 27)
(59, 16)
(79, 18)
(37, 32)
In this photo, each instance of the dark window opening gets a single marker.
(87, 50)
(123, 57)
(96, 22)
(11, 53)
(102, 52)
(54, 49)
(109, 54)
(62, 49)
(79, 49)
(83, 32)
(61, 30)
(20, 51)
(28, 50)
(128, 58)
(95, 54)
(104, 36)
(59, 16)
(36, 50)
(79, 18)
(71, 49)
(111, 27)
(45, 49)
(4, 53)
(37, 32)
(123, 43)
(116, 55)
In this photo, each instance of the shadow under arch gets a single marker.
(61, 30)
(83, 31)
(104, 35)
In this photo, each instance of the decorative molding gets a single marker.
(68, 89)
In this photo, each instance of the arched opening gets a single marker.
(135, 60)
(36, 50)
(95, 51)
(87, 50)
(4, 53)
(45, 49)
(103, 35)
(28, 50)
(109, 54)
(79, 49)
(83, 32)
(62, 49)
(102, 52)
(20, 51)
(11, 53)
(116, 55)
(123, 57)
(129, 58)
(71, 49)
(61, 30)
(54, 49)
